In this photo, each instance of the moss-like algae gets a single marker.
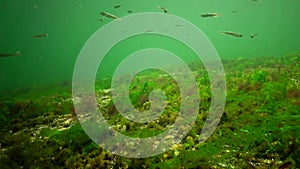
(259, 127)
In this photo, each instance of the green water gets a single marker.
(70, 23)
(260, 124)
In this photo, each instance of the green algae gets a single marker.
(259, 127)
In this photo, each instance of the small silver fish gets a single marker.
(253, 35)
(117, 6)
(163, 8)
(147, 31)
(40, 35)
(18, 53)
(206, 15)
(109, 15)
(100, 19)
(235, 34)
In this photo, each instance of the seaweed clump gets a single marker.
(259, 127)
